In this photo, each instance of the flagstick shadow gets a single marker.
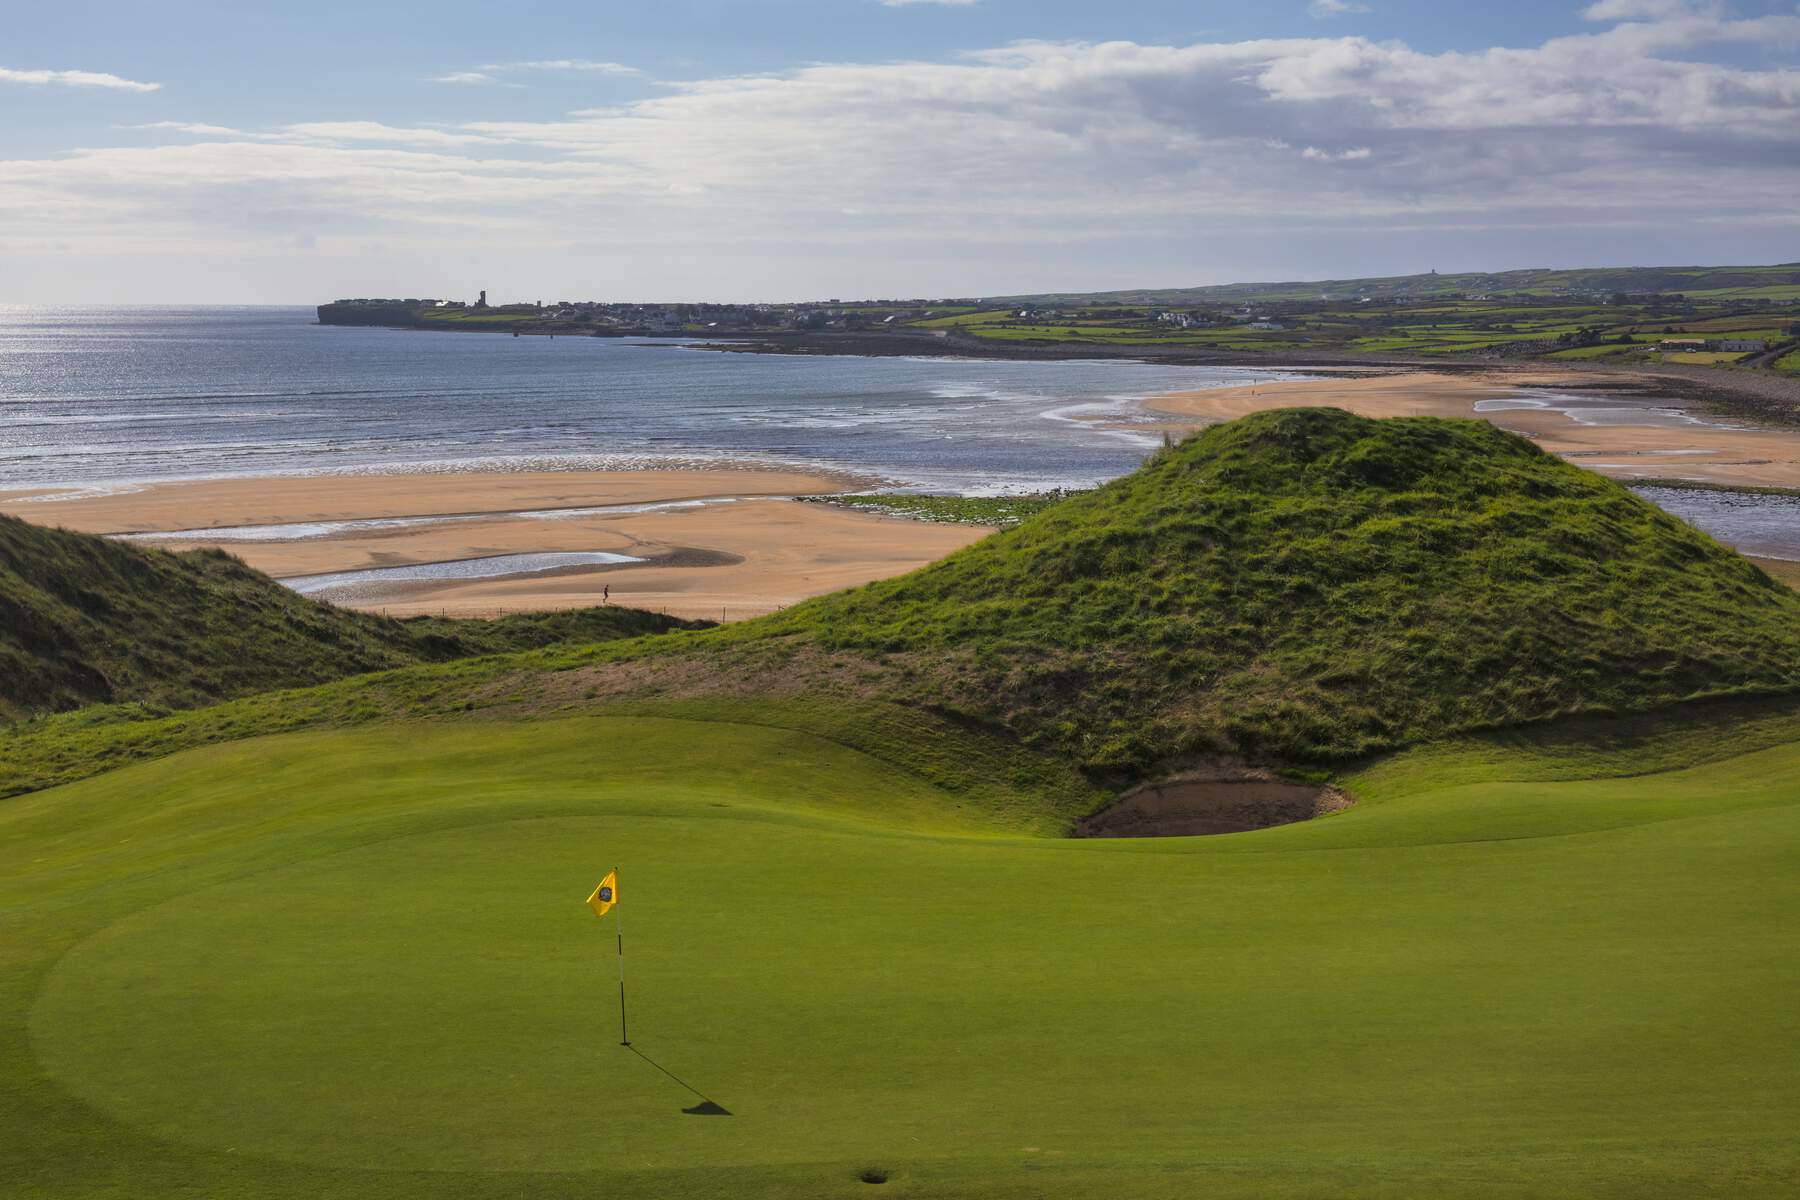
(706, 1107)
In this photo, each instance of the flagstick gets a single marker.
(619, 916)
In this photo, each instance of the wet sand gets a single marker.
(1650, 444)
(744, 553)
(299, 498)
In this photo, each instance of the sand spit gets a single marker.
(748, 552)
(1620, 434)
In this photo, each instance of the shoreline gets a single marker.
(1687, 447)
(545, 465)
(731, 542)
(1768, 398)
(729, 538)
(231, 502)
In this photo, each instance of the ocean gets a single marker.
(102, 398)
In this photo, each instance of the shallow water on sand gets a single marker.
(347, 584)
(1599, 410)
(307, 531)
(1765, 526)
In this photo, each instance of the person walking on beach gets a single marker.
(606, 593)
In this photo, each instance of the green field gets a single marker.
(357, 964)
(1522, 326)
(1566, 315)
(329, 942)
(1581, 352)
(1746, 282)
(1703, 359)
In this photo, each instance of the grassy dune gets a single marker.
(352, 964)
(1552, 950)
(1302, 588)
(87, 620)
(1306, 585)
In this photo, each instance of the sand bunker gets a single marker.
(1217, 802)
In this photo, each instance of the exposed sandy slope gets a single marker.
(1780, 569)
(1712, 452)
(738, 559)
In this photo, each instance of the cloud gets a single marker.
(327, 133)
(1648, 10)
(99, 79)
(1635, 125)
(563, 64)
(1323, 9)
(339, 132)
(488, 75)
(194, 127)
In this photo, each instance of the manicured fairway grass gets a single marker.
(357, 964)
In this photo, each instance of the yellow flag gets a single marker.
(606, 895)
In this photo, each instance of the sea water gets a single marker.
(99, 397)
(102, 398)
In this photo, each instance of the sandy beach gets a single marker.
(734, 546)
(1650, 443)
(266, 500)
(732, 542)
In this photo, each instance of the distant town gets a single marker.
(625, 319)
(1746, 319)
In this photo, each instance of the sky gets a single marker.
(233, 151)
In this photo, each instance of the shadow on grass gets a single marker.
(706, 1108)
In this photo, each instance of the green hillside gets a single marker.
(355, 964)
(1749, 282)
(351, 961)
(1298, 588)
(87, 620)
(1306, 585)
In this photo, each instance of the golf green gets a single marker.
(359, 964)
